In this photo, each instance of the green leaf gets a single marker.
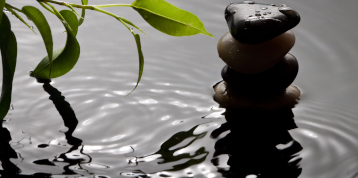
(8, 47)
(140, 54)
(2, 5)
(84, 2)
(169, 19)
(64, 58)
(19, 17)
(36, 16)
(141, 60)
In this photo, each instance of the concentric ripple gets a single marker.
(84, 125)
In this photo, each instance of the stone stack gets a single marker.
(259, 69)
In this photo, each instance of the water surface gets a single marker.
(164, 128)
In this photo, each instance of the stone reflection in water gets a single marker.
(258, 144)
(170, 154)
(74, 156)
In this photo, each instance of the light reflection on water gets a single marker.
(121, 135)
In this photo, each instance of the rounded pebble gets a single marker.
(252, 59)
(275, 80)
(229, 98)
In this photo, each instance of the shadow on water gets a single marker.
(167, 154)
(258, 144)
(6, 153)
(74, 156)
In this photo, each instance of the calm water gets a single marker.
(169, 126)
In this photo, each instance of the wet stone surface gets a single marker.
(274, 80)
(254, 23)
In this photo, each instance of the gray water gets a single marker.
(121, 136)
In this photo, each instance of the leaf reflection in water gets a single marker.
(74, 156)
(172, 152)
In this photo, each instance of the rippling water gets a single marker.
(167, 127)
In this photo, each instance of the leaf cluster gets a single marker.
(160, 14)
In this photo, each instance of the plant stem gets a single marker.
(92, 7)
(12, 7)
(47, 8)
(98, 9)
(113, 5)
(56, 12)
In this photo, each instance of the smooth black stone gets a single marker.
(254, 23)
(272, 81)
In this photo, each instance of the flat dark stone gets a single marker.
(253, 23)
(272, 81)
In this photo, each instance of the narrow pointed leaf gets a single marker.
(2, 5)
(140, 54)
(8, 47)
(84, 2)
(64, 58)
(20, 18)
(42, 25)
(169, 19)
(141, 60)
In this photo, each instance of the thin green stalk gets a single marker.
(96, 8)
(12, 7)
(110, 14)
(73, 10)
(47, 8)
(85, 6)
(56, 12)
(113, 5)
(121, 19)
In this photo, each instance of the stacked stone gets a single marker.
(259, 69)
